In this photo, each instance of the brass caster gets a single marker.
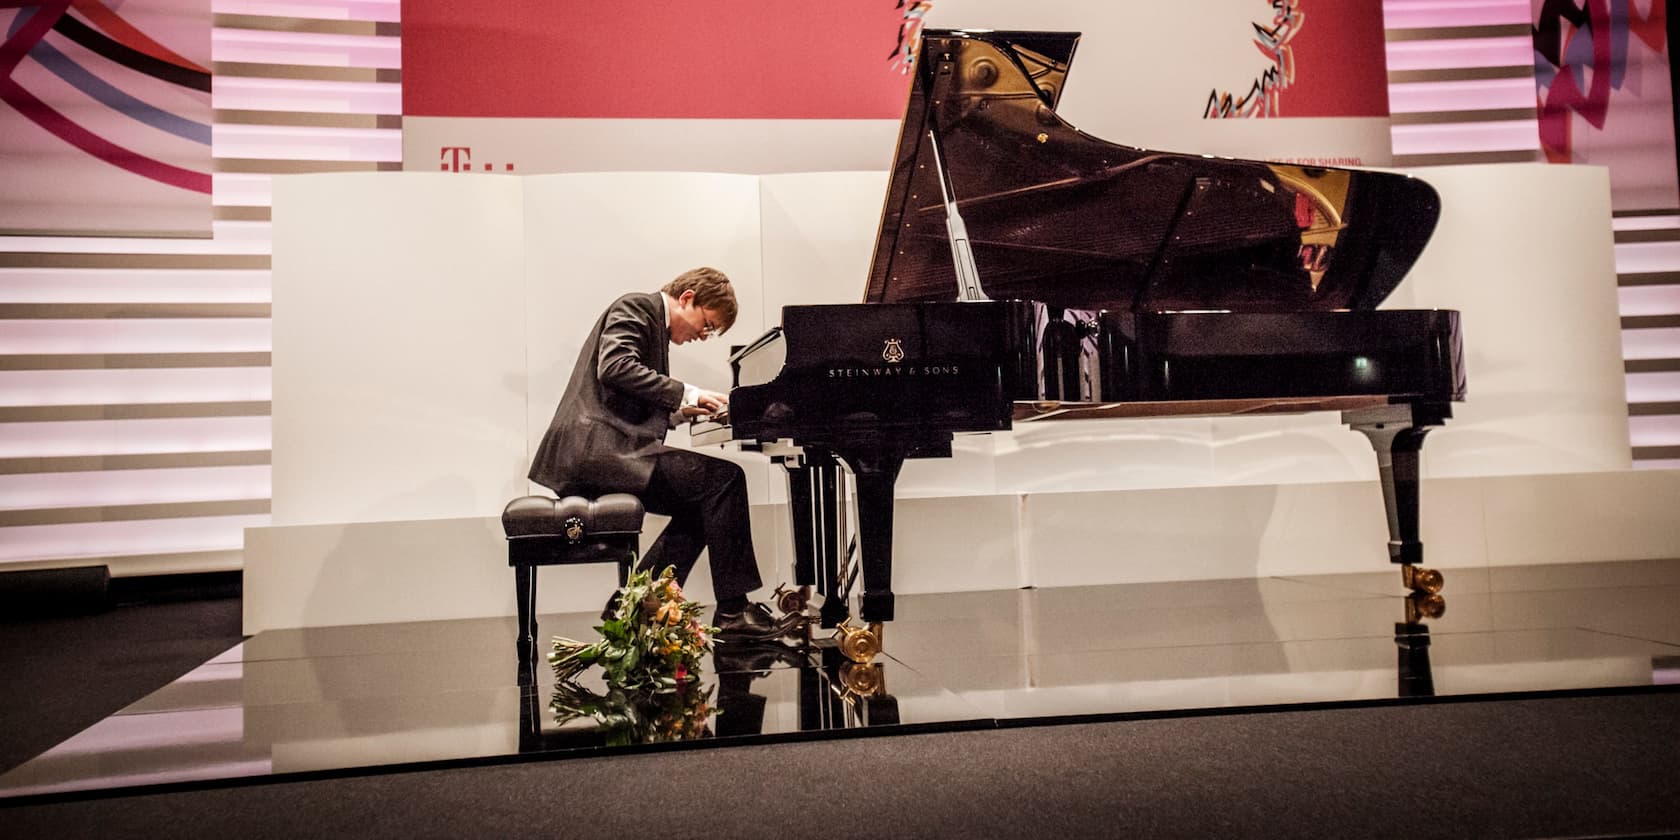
(791, 601)
(1422, 605)
(859, 644)
(1419, 579)
(860, 680)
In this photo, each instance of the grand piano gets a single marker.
(1026, 272)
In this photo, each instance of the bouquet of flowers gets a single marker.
(653, 642)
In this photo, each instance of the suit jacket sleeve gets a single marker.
(631, 355)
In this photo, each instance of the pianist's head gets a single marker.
(702, 304)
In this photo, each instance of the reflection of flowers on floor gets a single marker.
(637, 717)
(650, 653)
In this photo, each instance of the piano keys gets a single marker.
(1027, 272)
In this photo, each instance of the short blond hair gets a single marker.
(712, 290)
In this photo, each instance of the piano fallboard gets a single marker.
(914, 372)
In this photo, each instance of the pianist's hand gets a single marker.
(712, 402)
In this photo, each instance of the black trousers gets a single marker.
(706, 499)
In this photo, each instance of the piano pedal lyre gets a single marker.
(859, 644)
(1421, 580)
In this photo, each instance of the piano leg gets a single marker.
(1396, 433)
(876, 472)
(813, 503)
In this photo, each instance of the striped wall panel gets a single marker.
(1648, 286)
(1461, 81)
(134, 373)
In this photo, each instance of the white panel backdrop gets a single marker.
(1525, 251)
(397, 314)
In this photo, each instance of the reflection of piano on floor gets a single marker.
(842, 694)
(1411, 644)
(1027, 272)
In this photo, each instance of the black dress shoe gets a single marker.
(753, 624)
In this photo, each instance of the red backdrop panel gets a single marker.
(1340, 65)
(666, 58)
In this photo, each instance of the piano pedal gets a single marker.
(1421, 580)
(859, 644)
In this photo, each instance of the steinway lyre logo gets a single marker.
(893, 352)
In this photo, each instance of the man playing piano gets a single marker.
(608, 436)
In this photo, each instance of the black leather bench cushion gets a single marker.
(574, 517)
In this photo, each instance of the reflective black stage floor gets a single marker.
(349, 699)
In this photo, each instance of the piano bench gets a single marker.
(544, 531)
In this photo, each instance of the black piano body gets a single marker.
(1027, 272)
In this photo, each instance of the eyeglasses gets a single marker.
(707, 327)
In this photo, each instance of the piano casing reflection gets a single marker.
(1027, 272)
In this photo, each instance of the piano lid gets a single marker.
(1059, 216)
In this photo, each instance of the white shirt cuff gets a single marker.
(691, 395)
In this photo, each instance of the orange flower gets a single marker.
(668, 614)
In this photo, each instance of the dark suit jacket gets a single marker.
(612, 420)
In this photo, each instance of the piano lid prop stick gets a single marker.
(962, 255)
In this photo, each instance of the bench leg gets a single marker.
(525, 598)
